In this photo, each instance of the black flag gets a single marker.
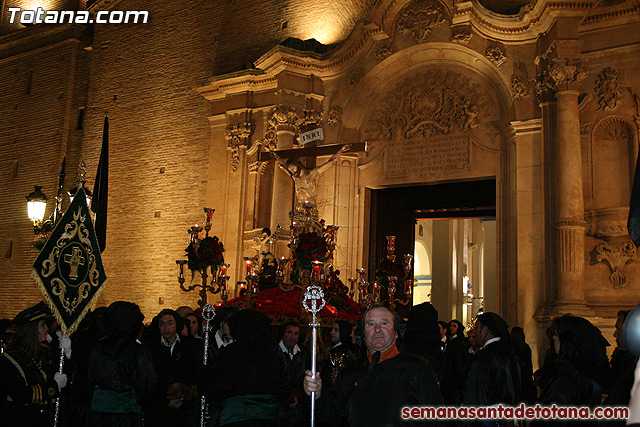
(69, 268)
(633, 223)
(101, 189)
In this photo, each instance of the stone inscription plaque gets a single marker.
(427, 157)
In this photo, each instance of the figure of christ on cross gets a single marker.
(75, 260)
(306, 179)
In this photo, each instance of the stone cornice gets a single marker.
(282, 58)
(533, 20)
(220, 87)
(41, 36)
(610, 16)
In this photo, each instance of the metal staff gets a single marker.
(208, 313)
(60, 366)
(316, 296)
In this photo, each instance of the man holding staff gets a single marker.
(373, 390)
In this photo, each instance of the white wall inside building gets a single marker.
(455, 266)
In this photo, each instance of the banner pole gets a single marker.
(57, 411)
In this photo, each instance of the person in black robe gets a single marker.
(121, 375)
(494, 374)
(250, 376)
(581, 369)
(422, 336)
(455, 363)
(376, 388)
(528, 393)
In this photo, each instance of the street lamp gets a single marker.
(36, 205)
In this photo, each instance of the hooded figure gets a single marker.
(250, 374)
(121, 372)
(422, 335)
(581, 370)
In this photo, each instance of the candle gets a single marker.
(407, 287)
(248, 267)
(181, 264)
(194, 234)
(392, 286)
(208, 212)
(352, 282)
(223, 270)
(316, 272)
(281, 266)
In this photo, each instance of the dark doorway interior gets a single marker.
(395, 210)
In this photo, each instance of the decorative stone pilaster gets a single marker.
(565, 77)
(238, 137)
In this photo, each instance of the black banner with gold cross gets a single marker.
(69, 268)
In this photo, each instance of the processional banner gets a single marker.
(69, 269)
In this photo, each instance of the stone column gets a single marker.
(565, 77)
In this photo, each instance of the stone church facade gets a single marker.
(540, 97)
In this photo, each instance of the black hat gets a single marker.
(37, 312)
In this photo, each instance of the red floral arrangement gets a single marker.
(311, 247)
(387, 268)
(205, 254)
(337, 293)
(40, 240)
(280, 305)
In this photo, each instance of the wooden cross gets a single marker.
(311, 153)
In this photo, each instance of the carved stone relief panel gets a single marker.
(462, 37)
(420, 18)
(237, 136)
(496, 55)
(383, 53)
(609, 90)
(519, 87)
(612, 147)
(334, 115)
(616, 255)
(426, 121)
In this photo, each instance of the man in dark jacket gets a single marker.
(176, 360)
(374, 390)
(494, 374)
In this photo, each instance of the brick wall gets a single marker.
(144, 75)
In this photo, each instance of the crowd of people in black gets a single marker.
(121, 372)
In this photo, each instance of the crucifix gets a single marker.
(75, 260)
(305, 178)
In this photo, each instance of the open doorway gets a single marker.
(455, 257)
(455, 266)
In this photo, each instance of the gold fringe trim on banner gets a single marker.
(67, 330)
